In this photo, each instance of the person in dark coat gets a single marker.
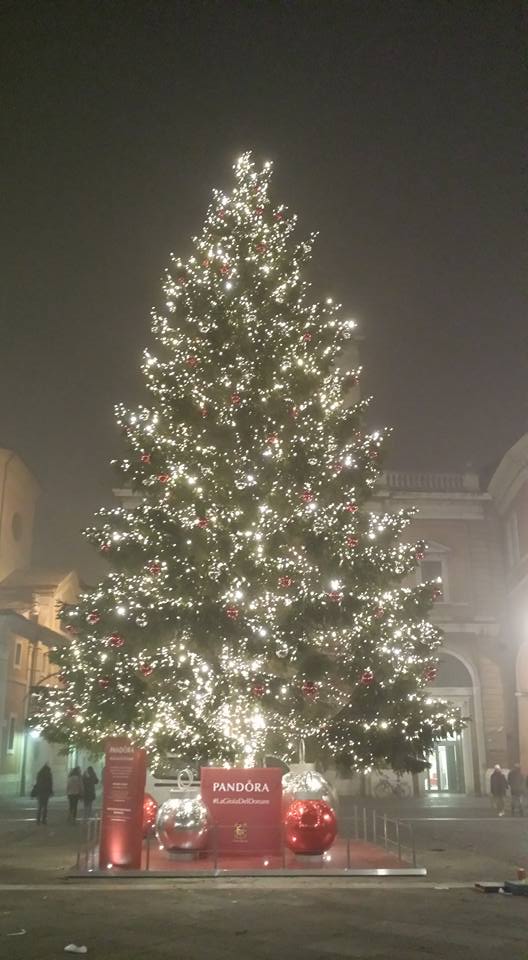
(74, 789)
(43, 790)
(516, 785)
(498, 787)
(90, 781)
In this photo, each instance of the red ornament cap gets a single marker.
(307, 336)
(367, 678)
(307, 497)
(116, 640)
(145, 458)
(146, 669)
(155, 568)
(203, 522)
(192, 361)
(104, 682)
(163, 477)
(352, 541)
(351, 508)
(94, 617)
(235, 398)
(309, 689)
(335, 596)
(232, 613)
(286, 582)
(258, 690)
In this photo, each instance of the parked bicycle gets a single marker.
(387, 787)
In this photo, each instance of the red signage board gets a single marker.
(122, 816)
(245, 807)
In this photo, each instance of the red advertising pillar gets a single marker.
(122, 815)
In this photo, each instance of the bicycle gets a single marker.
(387, 787)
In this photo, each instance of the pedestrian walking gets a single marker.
(516, 785)
(498, 787)
(42, 791)
(74, 789)
(90, 781)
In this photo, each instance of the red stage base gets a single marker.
(345, 858)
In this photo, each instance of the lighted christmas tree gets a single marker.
(255, 597)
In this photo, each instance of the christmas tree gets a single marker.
(256, 597)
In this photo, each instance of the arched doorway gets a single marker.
(452, 767)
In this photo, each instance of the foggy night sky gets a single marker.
(396, 131)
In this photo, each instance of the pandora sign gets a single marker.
(245, 806)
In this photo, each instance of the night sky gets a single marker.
(396, 131)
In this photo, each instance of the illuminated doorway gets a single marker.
(446, 773)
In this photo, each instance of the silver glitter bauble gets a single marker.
(183, 824)
(307, 785)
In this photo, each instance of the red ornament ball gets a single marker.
(204, 411)
(420, 555)
(104, 682)
(261, 247)
(272, 438)
(94, 616)
(150, 812)
(351, 507)
(145, 458)
(116, 640)
(373, 453)
(259, 211)
(367, 678)
(294, 412)
(192, 361)
(232, 613)
(106, 547)
(70, 628)
(437, 593)
(146, 669)
(307, 336)
(203, 522)
(221, 214)
(163, 477)
(205, 263)
(352, 541)
(224, 269)
(378, 612)
(285, 582)
(278, 215)
(310, 827)
(155, 568)
(307, 497)
(309, 689)
(431, 673)
(181, 280)
(235, 398)
(335, 596)
(258, 690)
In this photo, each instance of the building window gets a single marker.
(11, 731)
(434, 570)
(512, 539)
(18, 654)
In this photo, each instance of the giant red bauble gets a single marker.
(150, 812)
(310, 827)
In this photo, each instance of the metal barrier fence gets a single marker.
(393, 835)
